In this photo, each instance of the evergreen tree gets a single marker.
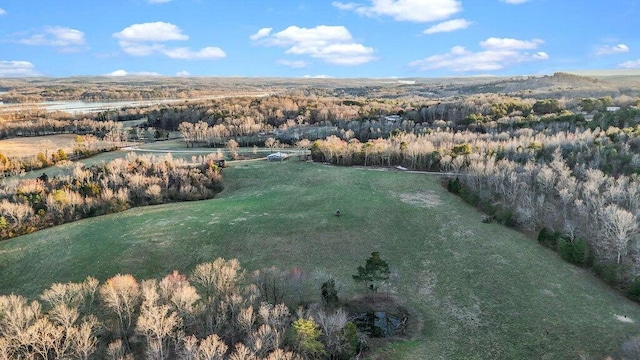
(373, 273)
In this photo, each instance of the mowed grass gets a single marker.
(480, 291)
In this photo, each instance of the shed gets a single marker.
(279, 156)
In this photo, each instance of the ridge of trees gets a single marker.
(295, 115)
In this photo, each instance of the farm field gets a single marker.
(31, 146)
(477, 290)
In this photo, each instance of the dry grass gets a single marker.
(425, 199)
(31, 146)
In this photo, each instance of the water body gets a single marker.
(378, 324)
(83, 107)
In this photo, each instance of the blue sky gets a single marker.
(293, 38)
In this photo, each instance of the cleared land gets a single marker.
(481, 291)
(31, 146)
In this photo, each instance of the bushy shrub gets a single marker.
(633, 292)
(548, 238)
(352, 342)
(574, 251)
(469, 197)
(505, 217)
(453, 186)
(608, 272)
(329, 294)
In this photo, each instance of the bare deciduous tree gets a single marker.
(156, 321)
(121, 295)
(619, 227)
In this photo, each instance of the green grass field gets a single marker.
(480, 291)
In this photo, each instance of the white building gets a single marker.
(279, 156)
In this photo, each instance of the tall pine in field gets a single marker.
(374, 272)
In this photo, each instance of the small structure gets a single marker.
(279, 156)
(613, 108)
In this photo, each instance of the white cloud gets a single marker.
(296, 64)
(261, 33)
(149, 38)
(64, 38)
(345, 6)
(515, 2)
(187, 54)
(17, 69)
(126, 73)
(117, 73)
(541, 55)
(183, 73)
(494, 43)
(317, 77)
(155, 31)
(158, 1)
(612, 49)
(498, 54)
(406, 10)
(448, 26)
(633, 64)
(331, 44)
(2, 11)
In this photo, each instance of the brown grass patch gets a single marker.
(25, 147)
(424, 199)
(31, 146)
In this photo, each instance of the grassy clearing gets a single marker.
(482, 291)
(31, 146)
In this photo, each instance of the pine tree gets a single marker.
(373, 273)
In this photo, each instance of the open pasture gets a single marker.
(479, 291)
(31, 146)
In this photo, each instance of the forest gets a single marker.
(555, 157)
(220, 311)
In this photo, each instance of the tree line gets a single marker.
(219, 311)
(28, 205)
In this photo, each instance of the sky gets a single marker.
(316, 38)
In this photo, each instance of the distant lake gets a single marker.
(83, 107)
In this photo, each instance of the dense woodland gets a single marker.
(218, 312)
